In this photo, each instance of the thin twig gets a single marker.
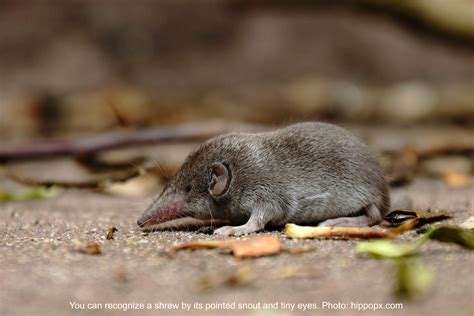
(96, 184)
(118, 139)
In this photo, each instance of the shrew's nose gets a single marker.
(141, 222)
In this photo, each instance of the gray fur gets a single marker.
(308, 173)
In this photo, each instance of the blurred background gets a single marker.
(80, 66)
(398, 73)
(168, 74)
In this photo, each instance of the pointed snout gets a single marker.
(142, 221)
(168, 207)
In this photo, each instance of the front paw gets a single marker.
(230, 231)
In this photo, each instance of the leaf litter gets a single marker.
(397, 217)
(110, 233)
(412, 278)
(248, 248)
(385, 248)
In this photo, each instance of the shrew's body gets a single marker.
(308, 173)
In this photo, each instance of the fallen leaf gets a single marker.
(110, 233)
(412, 278)
(405, 226)
(456, 179)
(90, 248)
(256, 247)
(397, 217)
(387, 249)
(34, 193)
(252, 247)
(452, 234)
(296, 231)
(430, 216)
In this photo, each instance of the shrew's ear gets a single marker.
(220, 179)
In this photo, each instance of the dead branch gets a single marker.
(118, 139)
(95, 184)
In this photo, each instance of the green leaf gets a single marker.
(34, 193)
(385, 248)
(452, 234)
(412, 278)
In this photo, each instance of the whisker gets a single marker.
(163, 172)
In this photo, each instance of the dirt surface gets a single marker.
(41, 273)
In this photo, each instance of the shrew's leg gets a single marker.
(257, 221)
(372, 216)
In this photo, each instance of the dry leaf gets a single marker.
(90, 248)
(296, 231)
(397, 217)
(256, 247)
(252, 247)
(204, 244)
(456, 179)
(110, 233)
(405, 226)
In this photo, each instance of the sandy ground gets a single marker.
(41, 274)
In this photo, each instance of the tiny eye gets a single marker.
(188, 188)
